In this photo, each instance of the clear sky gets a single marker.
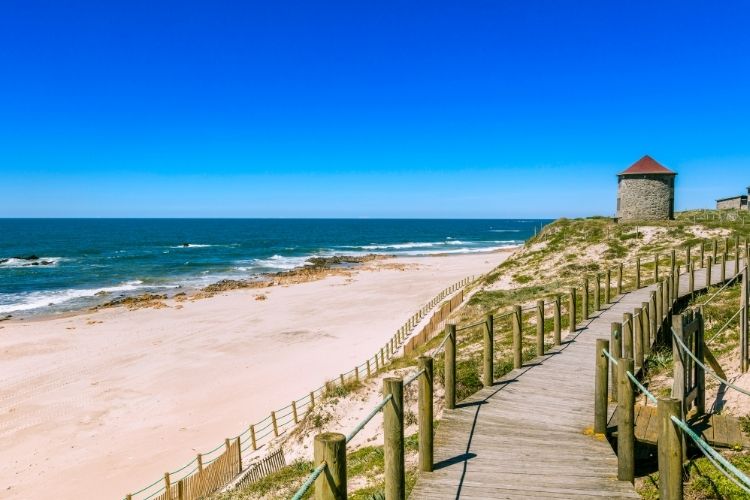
(366, 109)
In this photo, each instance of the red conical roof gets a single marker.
(647, 165)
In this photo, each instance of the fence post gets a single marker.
(601, 385)
(645, 330)
(180, 490)
(625, 424)
(450, 366)
(167, 486)
(572, 310)
(691, 279)
(585, 298)
(672, 261)
(678, 370)
(703, 254)
(669, 450)
(656, 268)
(540, 327)
(638, 272)
(488, 375)
(517, 337)
(239, 452)
(627, 335)
(393, 439)
(688, 256)
(275, 425)
(557, 321)
(714, 249)
(597, 293)
(615, 344)
(608, 287)
(619, 279)
(330, 447)
(709, 268)
(638, 337)
(660, 304)
(425, 414)
(652, 315)
(724, 265)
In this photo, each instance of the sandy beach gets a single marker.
(101, 403)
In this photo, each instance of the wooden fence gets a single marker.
(436, 323)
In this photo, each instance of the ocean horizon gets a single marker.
(59, 264)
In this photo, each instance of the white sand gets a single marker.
(100, 404)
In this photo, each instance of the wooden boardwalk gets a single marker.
(528, 436)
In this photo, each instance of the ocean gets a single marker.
(58, 265)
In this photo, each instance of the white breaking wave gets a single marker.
(13, 262)
(35, 300)
(275, 262)
(505, 230)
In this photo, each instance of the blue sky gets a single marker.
(366, 109)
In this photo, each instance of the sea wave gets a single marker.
(27, 301)
(505, 230)
(273, 263)
(15, 262)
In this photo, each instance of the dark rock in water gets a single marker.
(29, 257)
(3, 261)
(186, 244)
(6, 317)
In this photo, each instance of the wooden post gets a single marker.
(659, 306)
(572, 310)
(393, 439)
(382, 358)
(709, 269)
(688, 257)
(252, 438)
(557, 321)
(672, 261)
(341, 380)
(638, 337)
(517, 337)
(691, 279)
(294, 412)
(670, 450)
(619, 279)
(450, 366)
(239, 452)
(667, 297)
(608, 287)
(600, 387)
(625, 422)
(678, 370)
(330, 447)
(652, 315)
(645, 330)
(724, 266)
(368, 369)
(585, 302)
(425, 413)
(275, 425)
(615, 343)
(597, 293)
(488, 374)
(167, 486)
(356, 373)
(627, 335)
(180, 490)
(656, 268)
(703, 254)
(714, 249)
(377, 363)
(638, 272)
(540, 327)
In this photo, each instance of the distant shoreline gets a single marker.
(260, 281)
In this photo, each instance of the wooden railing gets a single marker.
(635, 337)
(621, 362)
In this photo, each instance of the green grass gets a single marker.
(703, 480)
